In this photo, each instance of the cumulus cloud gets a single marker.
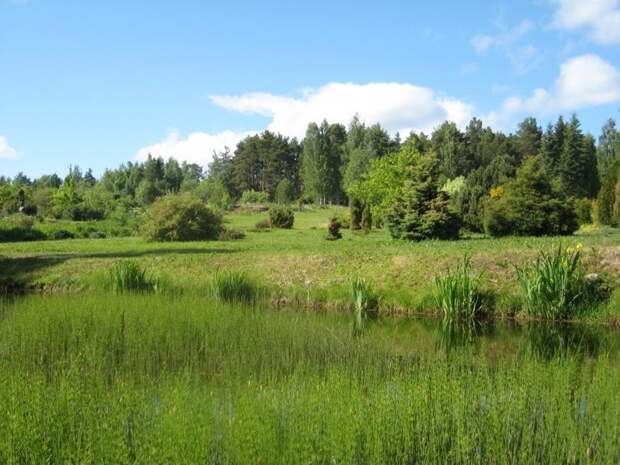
(482, 43)
(524, 58)
(6, 151)
(584, 81)
(601, 18)
(396, 106)
(197, 147)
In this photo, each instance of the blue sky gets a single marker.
(99, 83)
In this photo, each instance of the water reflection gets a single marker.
(552, 340)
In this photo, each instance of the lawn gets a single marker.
(298, 265)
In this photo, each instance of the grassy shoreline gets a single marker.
(299, 267)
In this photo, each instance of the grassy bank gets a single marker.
(299, 266)
(155, 379)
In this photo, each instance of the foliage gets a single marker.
(230, 234)
(366, 218)
(234, 286)
(251, 196)
(285, 192)
(18, 228)
(583, 210)
(129, 276)
(181, 217)
(356, 208)
(263, 224)
(421, 211)
(554, 286)
(530, 205)
(458, 294)
(365, 303)
(333, 229)
(281, 217)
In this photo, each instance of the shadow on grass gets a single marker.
(17, 273)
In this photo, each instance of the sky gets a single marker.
(100, 83)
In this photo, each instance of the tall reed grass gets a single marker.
(554, 286)
(129, 276)
(160, 379)
(365, 303)
(234, 287)
(458, 294)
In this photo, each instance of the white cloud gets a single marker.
(6, 151)
(482, 43)
(524, 58)
(601, 18)
(197, 147)
(398, 107)
(584, 81)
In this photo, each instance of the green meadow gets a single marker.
(256, 351)
(298, 266)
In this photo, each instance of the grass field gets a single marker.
(299, 266)
(135, 379)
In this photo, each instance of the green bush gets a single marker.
(555, 286)
(19, 227)
(281, 217)
(181, 217)
(234, 286)
(61, 234)
(285, 192)
(263, 225)
(356, 214)
(230, 234)
(129, 276)
(252, 196)
(333, 230)
(421, 210)
(583, 210)
(458, 294)
(530, 205)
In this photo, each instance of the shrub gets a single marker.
(583, 210)
(356, 214)
(263, 225)
(181, 217)
(252, 196)
(458, 294)
(129, 276)
(420, 210)
(229, 234)
(333, 230)
(285, 192)
(344, 219)
(61, 234)
(366, 218)
(281, 217)
(365, 303)
(555, 285)
(234, 286)
(19, 227)
(530, 206)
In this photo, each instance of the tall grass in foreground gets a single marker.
(152, 379)
(458, 294)
(129, 276)
(554, 286)
(234, 287)
(365, 303)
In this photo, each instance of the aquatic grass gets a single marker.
(458, 294)
(554, 286)
(234, 286)
(365, 303)
(153, 378)
(129, 276)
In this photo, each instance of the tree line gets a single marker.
(478, 179)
